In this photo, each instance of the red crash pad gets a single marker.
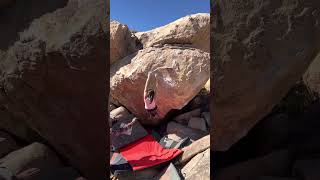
(147, 152)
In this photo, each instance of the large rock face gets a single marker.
(35, 155)
(177, 74)
(261, 49)
(193, 30)
(198, 168)
(122, 41)
(53, 79)
(12, 11)
(312, 76)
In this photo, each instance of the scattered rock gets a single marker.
(181, 73)
(201, 101)
(198, 123)
(35, 155)
(144, 174)
(183, 131)
(119, 113)
(193, 149)
(5, 174)
(122, 41)
(206, 116)
(169, 173)
(174, 137)
(111, 107)
(53, 75)
(198, 168)
(193, 30)
(260, 54)
(195, 103)
(307, 169)
(312, 76)
(7, 144)
(114, 101)
(184, 118)
(274, 164)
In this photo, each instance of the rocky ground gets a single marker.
(182, 89)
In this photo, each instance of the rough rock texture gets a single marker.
(184, 118)
(260, 49)
(12, 11)
(191, 30)
(312, 76)
(53, 79)
(198, 168)
(7, 144)
(35, 155)
(176, 74)
(13, 122)
(193, 149)
(122, 41)
(183, 131)
(119, 113)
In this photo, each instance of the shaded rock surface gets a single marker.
(35, 155)
(312, 76)
(12, 11)
(62, 173)
(185, 117)
(261, 49)
(274, 164)
(122, 41)
(119, 113)
(7, 144)
(53, 79)
(198, 123)
(193, 30)
(198, 168)
(194, 149)
(13, 121)
(176, 75)
(183, 131)
(307, 169)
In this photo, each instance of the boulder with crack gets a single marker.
(176, 74)
(192, 30)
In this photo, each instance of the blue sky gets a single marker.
(143, 15)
